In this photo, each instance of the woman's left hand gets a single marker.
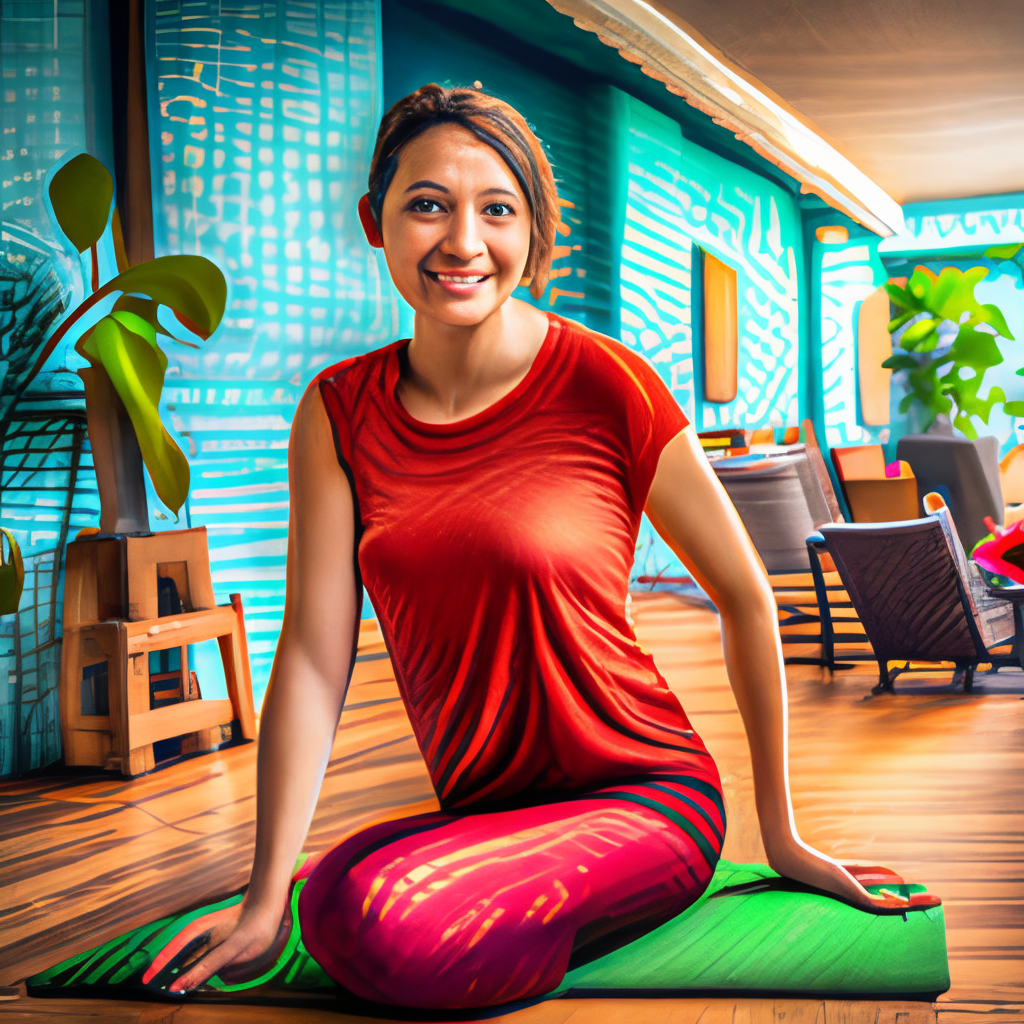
(795, 859)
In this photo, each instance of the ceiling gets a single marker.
(926, 97)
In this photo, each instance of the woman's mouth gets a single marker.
(457, 284)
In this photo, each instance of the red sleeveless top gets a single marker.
(497, 551)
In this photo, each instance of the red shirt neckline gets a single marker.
(484, 416)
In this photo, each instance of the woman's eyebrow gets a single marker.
(426, 184)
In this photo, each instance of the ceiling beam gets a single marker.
(665, 49)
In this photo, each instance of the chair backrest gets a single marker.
(821, 470)
(780, 502)
(907, 588)
(890, 499)
(859, 462)
(993, 615)
(956, 468)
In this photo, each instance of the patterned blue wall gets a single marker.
(262, 120)
(680, 197)
(54, 65)
(844, 275)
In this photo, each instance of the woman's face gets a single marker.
(456, 227)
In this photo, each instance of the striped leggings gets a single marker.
(474, 908)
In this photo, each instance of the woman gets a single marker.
(490, 475)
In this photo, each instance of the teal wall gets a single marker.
(841, 275)
(571, 113)
(54, 65)
(682, 199)
(262, 120)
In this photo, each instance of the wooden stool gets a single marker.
(111, 615)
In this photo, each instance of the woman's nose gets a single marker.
(462, 238)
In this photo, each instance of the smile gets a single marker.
(457, 278)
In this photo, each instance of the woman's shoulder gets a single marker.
(355, 367)
(608, 358)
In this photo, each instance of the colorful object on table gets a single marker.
(1001, 553)
(750, 932)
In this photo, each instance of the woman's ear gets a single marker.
(370, 229)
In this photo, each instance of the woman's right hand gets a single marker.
(233, 936)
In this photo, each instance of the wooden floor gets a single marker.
(928, 781)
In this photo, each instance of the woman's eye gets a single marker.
(424, 205)
(498, 210)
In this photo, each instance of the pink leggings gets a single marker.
(467, 909)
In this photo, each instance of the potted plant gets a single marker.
(125, 376)
(943, 379)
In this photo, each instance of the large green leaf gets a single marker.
(897, 322)
(900, 361)
(191, 286)
(148, 310)
(917, 332)
(976, 349)
(136, 368)
(1014, 408)
(900, 297)
(81, 193)
(950, 296)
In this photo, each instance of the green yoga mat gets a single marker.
(750, 933)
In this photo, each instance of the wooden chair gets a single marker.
(871, 495)
(111, 614)
(911, 586)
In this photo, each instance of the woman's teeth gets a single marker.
(459, 279)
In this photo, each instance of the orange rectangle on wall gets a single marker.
(874, 346)
(721, 331)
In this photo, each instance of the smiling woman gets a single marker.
(486, 478)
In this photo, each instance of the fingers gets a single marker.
(240, 948)
(873, 875)
(208, 966)
(198, 927)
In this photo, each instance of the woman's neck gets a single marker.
(453, 372)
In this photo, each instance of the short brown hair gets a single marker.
(501, 127)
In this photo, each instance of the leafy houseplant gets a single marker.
(125, 377)
(939, 379)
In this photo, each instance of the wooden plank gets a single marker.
(874, 346)
(178, 719)
(721, 330)
(187, 628)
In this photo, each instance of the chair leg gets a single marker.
(969, 678)
(884, 684)
(887, 677)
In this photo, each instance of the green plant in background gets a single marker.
(1014, 253)
(127, 363)
(941, 380)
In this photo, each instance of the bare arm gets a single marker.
(307, 684)
(691, 510)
